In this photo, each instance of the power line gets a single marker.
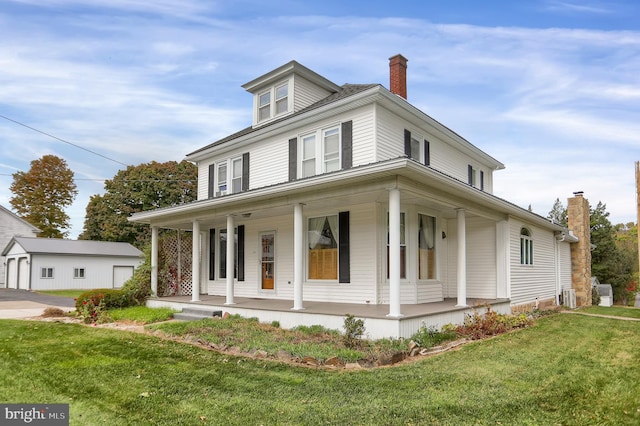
(62, 140)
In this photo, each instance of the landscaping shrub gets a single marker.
(595, 296)
(428, 337)
(92, 305)
(138, 287)
(491, 323)
(353, 331)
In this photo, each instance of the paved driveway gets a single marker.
(25, 304)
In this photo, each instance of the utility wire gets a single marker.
(62, 140)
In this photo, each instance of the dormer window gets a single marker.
(273, 102)
(282, 99)
(264, 108)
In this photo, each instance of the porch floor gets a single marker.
(333, 309)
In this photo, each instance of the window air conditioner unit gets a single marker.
(219, 193)
(569, 298)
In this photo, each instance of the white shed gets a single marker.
(57, 264)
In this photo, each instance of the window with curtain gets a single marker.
(403, 247)
(426, 247)
(323, 248)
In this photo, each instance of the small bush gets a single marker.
(53, 313)
(595, 296)
(428, 337)
(353, 331)
(491, 323)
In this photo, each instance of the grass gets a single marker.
(566, 369)
(248, 333)
(618, 311)
(141, 314)
(62, 293)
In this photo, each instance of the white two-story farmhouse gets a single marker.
(348, 199)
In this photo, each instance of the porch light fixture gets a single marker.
(246, 215)
(444, 235)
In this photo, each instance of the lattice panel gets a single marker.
(174, 264)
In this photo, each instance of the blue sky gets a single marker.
(550, 88)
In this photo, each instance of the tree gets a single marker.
(558, 213)
(42, 193)
(608, 263)
(138, 188)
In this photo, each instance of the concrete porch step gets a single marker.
(193, 314)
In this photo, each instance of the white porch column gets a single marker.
(195, 262)
(462, 258)
(503, 271)
(154, 260)
(298, 256)
(394, 253)
(230, 259)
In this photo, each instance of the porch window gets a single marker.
(403, 247)
(526, 247)
(323, 248)
(426, 247)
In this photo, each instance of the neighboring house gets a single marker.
(57, 264)
(350, 194)
(11, 225)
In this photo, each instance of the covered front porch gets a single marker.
(378, 323)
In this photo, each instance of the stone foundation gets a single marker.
(542, 305)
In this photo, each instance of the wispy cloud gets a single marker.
(156, 80)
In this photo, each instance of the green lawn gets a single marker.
(567, 369)
(618, 311)
(63, 293)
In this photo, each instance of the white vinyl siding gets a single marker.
(306, 93)
(10, 226)
(443, 157)
(98, 271)
(564, 254)
(360, 289)
(481, 258)
(537, 281)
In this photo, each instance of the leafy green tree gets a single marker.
(138, 188)
(558, 213)
(42, 193)
(608, 262)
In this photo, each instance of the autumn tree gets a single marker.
(42, 193)
(137, 188)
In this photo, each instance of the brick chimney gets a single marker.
(580, 224)
(398, 75)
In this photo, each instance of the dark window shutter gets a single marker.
(212, 178)
(245, 171)
(212, 254)
(240, 252)
(427, 153)
(481, 180)
(407, 143)
(470, 173)
(347, 145)
(293, 159)
(344, 261)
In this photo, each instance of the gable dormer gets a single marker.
(286, 90)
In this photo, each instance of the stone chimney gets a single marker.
(580, 223)
(398, 75)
